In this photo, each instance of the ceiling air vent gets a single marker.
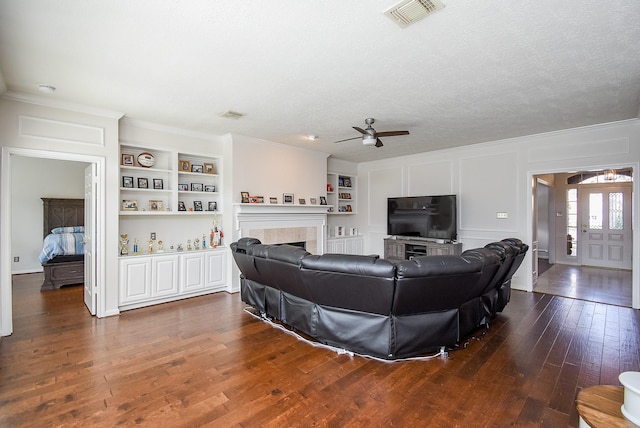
(407, 12)
(230, 114)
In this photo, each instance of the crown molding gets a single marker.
(63, 105)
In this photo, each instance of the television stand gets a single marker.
(405, 248)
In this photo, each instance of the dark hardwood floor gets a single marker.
(206, 362)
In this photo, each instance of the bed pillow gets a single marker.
(71, 229)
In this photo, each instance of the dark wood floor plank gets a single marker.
(207, 362)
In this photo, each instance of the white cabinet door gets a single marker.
(354, 245)
(192, 267)
(135, 280)
(215, 268)
(164, 277)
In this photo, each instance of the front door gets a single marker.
(605, 226)
(89, 243)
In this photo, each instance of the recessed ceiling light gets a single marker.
(312, 137)
(46, 89)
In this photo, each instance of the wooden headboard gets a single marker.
(62, 212)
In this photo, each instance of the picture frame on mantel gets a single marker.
(287, 198)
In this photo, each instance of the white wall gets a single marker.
(31, 180)
(496, 177)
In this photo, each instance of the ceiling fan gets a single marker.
(372, 138)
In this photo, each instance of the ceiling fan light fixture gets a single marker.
(369, 140)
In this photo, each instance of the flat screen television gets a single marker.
(429, 217)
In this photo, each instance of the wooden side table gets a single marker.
(599, 406)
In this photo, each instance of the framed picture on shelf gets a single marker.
(143, 183)
(127, 182)
(129, 205)
(196, 187)
(128, 159)
(256, 199)
(273, 200)
(181, 206)
(339, 230)
(197, 168)
(209, 168)
(323, 200)
(158, 183)
(302, 201)
(313, 201)
(244, 197)
(183, 187)
(156, 206)
(213, 206)
(347, 182)
(287, 198)
(209, 188)
(197, 205)
(184, 165)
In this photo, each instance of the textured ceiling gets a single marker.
(475, 71)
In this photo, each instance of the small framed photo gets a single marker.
(339, 230)
(213, 206)
(143, 183)
(313, 201)
(302, 201)
(209, 188)
(196, 187)
(347, 182)
(156, 206)
(158, 184)
(184, 165)
(287, 198)
(129, 205)
(244, 197)
(197, 205)
(209, 168)
(323, 200)
(127, 182)
(128, 159)
(256, 199)
(181, 206)
(273, 200)
(183, 187)
(197, 168)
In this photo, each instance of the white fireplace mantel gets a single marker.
(282, 216)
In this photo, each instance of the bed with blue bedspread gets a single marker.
(62, 254)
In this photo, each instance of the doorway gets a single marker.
(589, 256)
(9, 154)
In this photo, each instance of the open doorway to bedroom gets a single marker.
(584, 235)
(28, 176)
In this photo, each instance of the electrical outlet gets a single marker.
(502, 215)
(153, 236)
(16, 259)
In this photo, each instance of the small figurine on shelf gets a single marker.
(150, 246)
(212, 241)
(204, 241)
(179, 247)
(124, 242)
(196, 243)
(189, 248)
(160, 247)
(135, 246)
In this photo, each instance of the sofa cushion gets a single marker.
(360, 283)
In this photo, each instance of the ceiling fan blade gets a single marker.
(360, 130)
(348, 139)
(391, 133)
(379, 143)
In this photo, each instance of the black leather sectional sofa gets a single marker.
(371, 306)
